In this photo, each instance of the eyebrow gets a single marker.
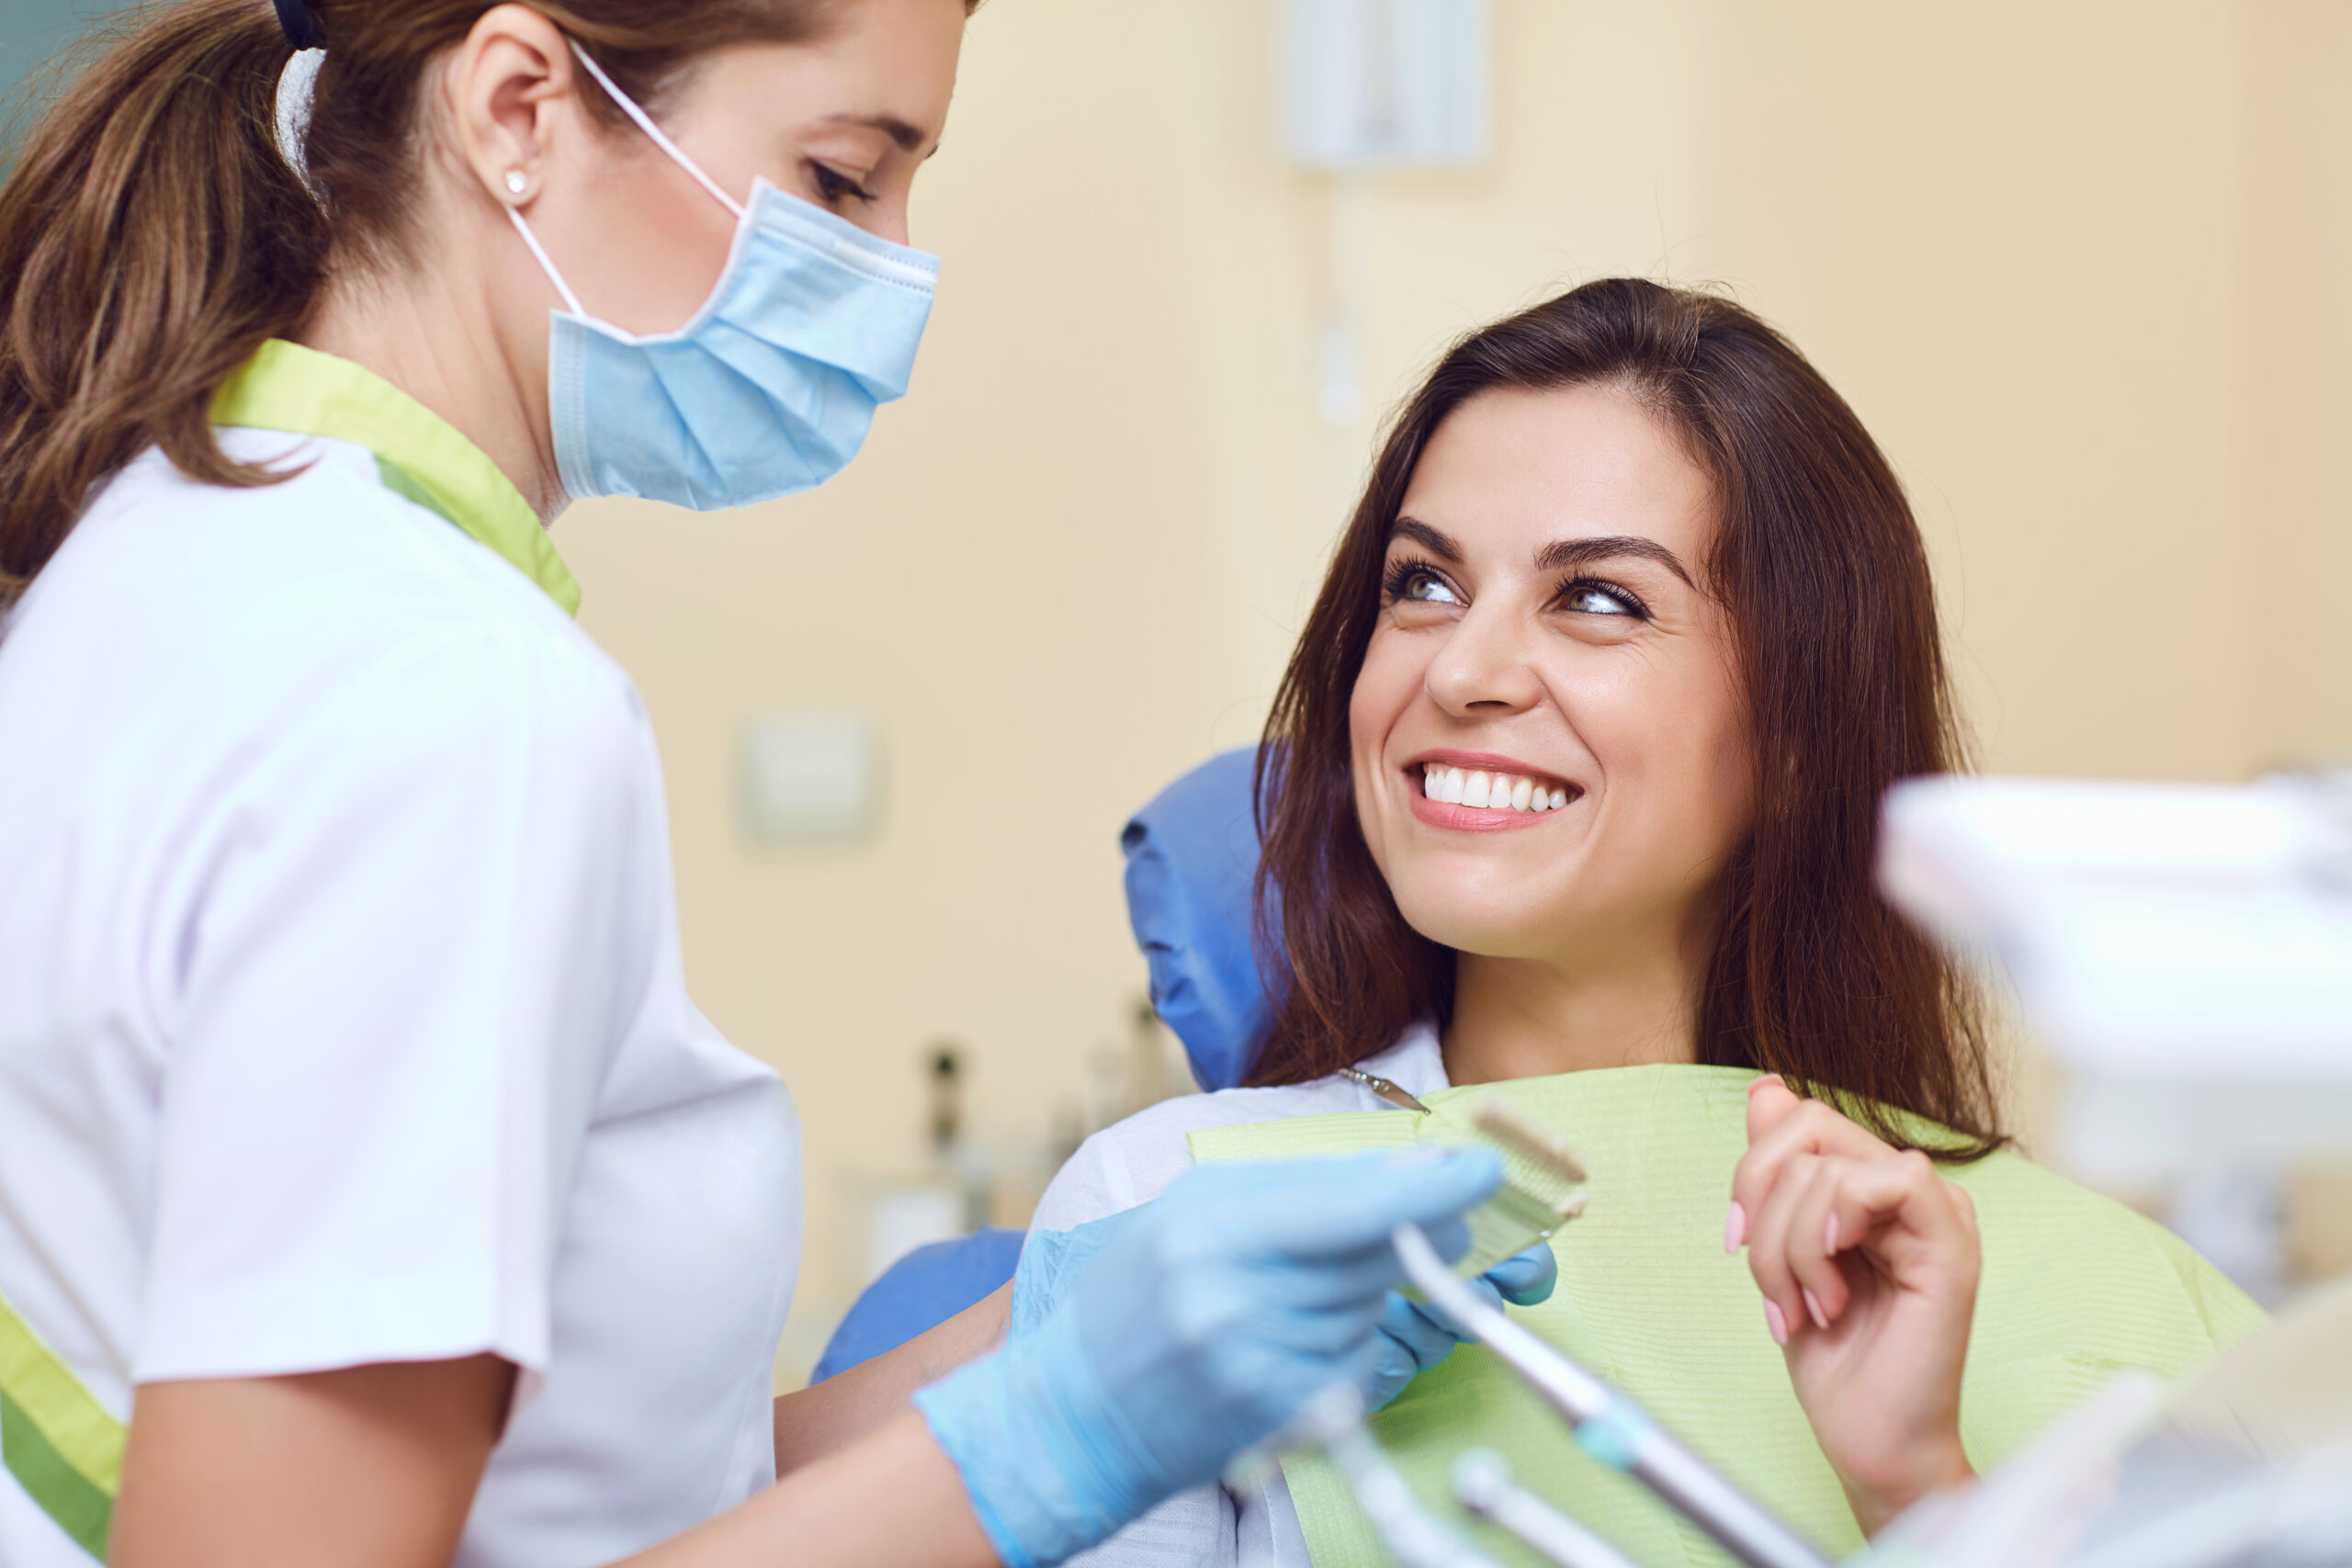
(1437, 544)
(897, 130)
(1560, 555)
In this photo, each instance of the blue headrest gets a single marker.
(920, 1292)
(1192, 856)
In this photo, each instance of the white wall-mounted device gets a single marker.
(1381, 85)
(809, 775)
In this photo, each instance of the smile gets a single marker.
(1481, 790)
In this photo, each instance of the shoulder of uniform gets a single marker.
(331, 546)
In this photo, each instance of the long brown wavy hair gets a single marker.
(153, 237)
(1820, 565)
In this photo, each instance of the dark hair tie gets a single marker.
(301, 28)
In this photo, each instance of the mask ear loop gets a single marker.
(661, 139)
(645, 123)
(546, 264)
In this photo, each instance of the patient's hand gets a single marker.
(1868, 1261)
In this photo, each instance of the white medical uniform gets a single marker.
(341, 1012)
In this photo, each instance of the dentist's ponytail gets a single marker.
(151, 239)
(152, 235)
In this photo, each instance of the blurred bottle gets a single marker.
(950, 1195)
(954, 1154)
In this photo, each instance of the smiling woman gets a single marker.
(1569, 792)
(1632, 539)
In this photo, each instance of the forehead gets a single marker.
(893, 59)
(1510, 471)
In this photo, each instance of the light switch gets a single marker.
(809, 775)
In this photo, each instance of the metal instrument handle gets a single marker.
(1610, 1426)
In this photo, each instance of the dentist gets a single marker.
(370, 1192)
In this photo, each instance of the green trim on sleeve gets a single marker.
(59, 1442)
(421, 456)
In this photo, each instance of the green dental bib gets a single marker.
(2074, 1287)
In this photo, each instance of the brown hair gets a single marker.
(151, 236)
(1820, 565)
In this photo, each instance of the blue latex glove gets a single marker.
(1199, 1325)
(1051, 1261)
(1418, 1334)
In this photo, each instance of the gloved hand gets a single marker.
(1202, 1323)
(1051, 1262)
(1418, 1334)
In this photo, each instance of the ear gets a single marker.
(514, 88)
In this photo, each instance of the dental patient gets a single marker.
(1568, 797)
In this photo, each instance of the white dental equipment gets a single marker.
(1414, 1536)
(2152, 930)
(1483, 1484)
(2185, 953)
(1610, 1426)
(2249, 1466)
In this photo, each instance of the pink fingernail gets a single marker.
(1829, 1238)
(1812, 1306)
(1775, 1322)
(1735, 1228)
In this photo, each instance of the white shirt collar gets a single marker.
(1413, 1064)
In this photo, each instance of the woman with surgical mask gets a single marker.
(370, 1192)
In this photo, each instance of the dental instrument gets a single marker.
(1414, 1536)
(1393, 1093)
(1539, 1193)
(1483, 1484)
(1608, 1426)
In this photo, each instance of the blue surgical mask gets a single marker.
(772, 387)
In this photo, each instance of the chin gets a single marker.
(1472, 923)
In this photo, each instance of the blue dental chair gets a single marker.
(1192, 855)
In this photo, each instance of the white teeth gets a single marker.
(1491, 791)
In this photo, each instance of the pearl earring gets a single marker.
(517, 183)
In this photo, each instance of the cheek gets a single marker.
(1394, 667)
(1384, 688)
(1671, 743)
(1687, 748)
(1722, 770)
(655, 247)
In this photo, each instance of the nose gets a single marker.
(1484, 671)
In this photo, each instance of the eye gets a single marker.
(1589, 598)
(835, 186)
(1410, 582)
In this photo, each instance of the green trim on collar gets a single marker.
(420, 454)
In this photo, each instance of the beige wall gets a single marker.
(2083, 267)
(2301, 542)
